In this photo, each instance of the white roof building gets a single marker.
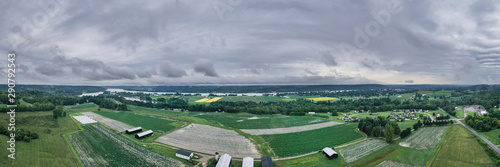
(224, 161)
(247, 162)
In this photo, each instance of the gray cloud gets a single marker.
(166, 69)
(328, 59)
(206, 68)
(409, 81)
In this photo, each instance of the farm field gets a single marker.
(425, 138)
(250, 121)
(389, 163)
(208, 100)
(290, 144)
(358, 151)
(323, 99)
(82, 106)
(99, 146)
(363, 115)
(50, 149)
(157, 124)
(289, 129)
(209, 139)
(314, 160)
(492, 136)
(461, 149)
(460, 113)
(139, 109)
(252, 98)
(113, 124)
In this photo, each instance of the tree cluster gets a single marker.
(21, 134)
(481, 123)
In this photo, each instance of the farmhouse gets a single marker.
(184, 154)
(133, 130)
(407, 118)
(247, 162)
(224, 161)
(393, 119)
(144, 134)
(330, 153)
(266, 161)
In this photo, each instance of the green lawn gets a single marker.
(50, 149)
(251, 121)
(461, 149)
(363, 115)
(290, 144)
(460, 113)
(154, 123)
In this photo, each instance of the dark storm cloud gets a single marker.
(206, 68)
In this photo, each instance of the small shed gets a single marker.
(184, 154)
(247, 162)
(330, 153)
(312, 113)
(266, 161)
(133, 130)
(144, 134)
(224, 161)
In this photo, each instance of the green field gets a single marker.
(138, 109)
(50, 149)
(250, 121)
(461, 149)
(460, 113)
(492, 136)
(314, 160)
(145, 121)
(290, 144)
(363, 115)
(99, 146)
(324, 99)
(252, 98)
(82, 106)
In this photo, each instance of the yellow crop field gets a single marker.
(323, 98)
(207, 100)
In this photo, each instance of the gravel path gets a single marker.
(290, 129)
(209, 139)
(113, 124)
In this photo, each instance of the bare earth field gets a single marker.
(290, 129)
(208, 139)
(113, 124)
(425, 138)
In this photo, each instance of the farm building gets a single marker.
(407, 118)
(247, 162)
(144, 134)
(267, 161)
(184, 154)
(393, 119)
(330, 153)
(312, 113)
(133, 130)
(224, 161)
(373, 113)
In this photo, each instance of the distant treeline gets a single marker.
(57, 89)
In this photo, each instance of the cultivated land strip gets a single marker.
(289, 129)
(116, 125)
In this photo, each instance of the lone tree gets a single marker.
(389, 133)
(57, 112)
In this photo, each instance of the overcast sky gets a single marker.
(252, 42)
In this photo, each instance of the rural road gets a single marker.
(493, 146)
(430, 116)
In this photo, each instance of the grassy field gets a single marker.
(492, 136)
(324, 99)
(250, 121)
(82, 107)
(252, 98)
(148, 122)
(50, 149)
(363, 115)
(460, 113)
(291, 144)
(461, 149)
(314, 160)
(138, 109)
(208, 100)
(99, 146)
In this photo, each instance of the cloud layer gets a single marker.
(252, 42)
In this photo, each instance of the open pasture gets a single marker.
(85, 106)
(290, 144)
(461, 149)
(361, 150)
(208, 100)
(250, 121)
(323, 98)
(425, 138)
(155, 123)
(99, 146)
(209, 139)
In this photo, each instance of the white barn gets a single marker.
(144, 134)
(224, 161)
(184, 154)
(247, 162)
(330, 153)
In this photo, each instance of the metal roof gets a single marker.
(329, 151)
(182, 152)
(134, 129)
(145, 133)
(224, 161)
(266, 161)
(247, 162)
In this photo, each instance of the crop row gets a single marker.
(361, 150)
(425, 138)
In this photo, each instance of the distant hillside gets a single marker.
(57, 89)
